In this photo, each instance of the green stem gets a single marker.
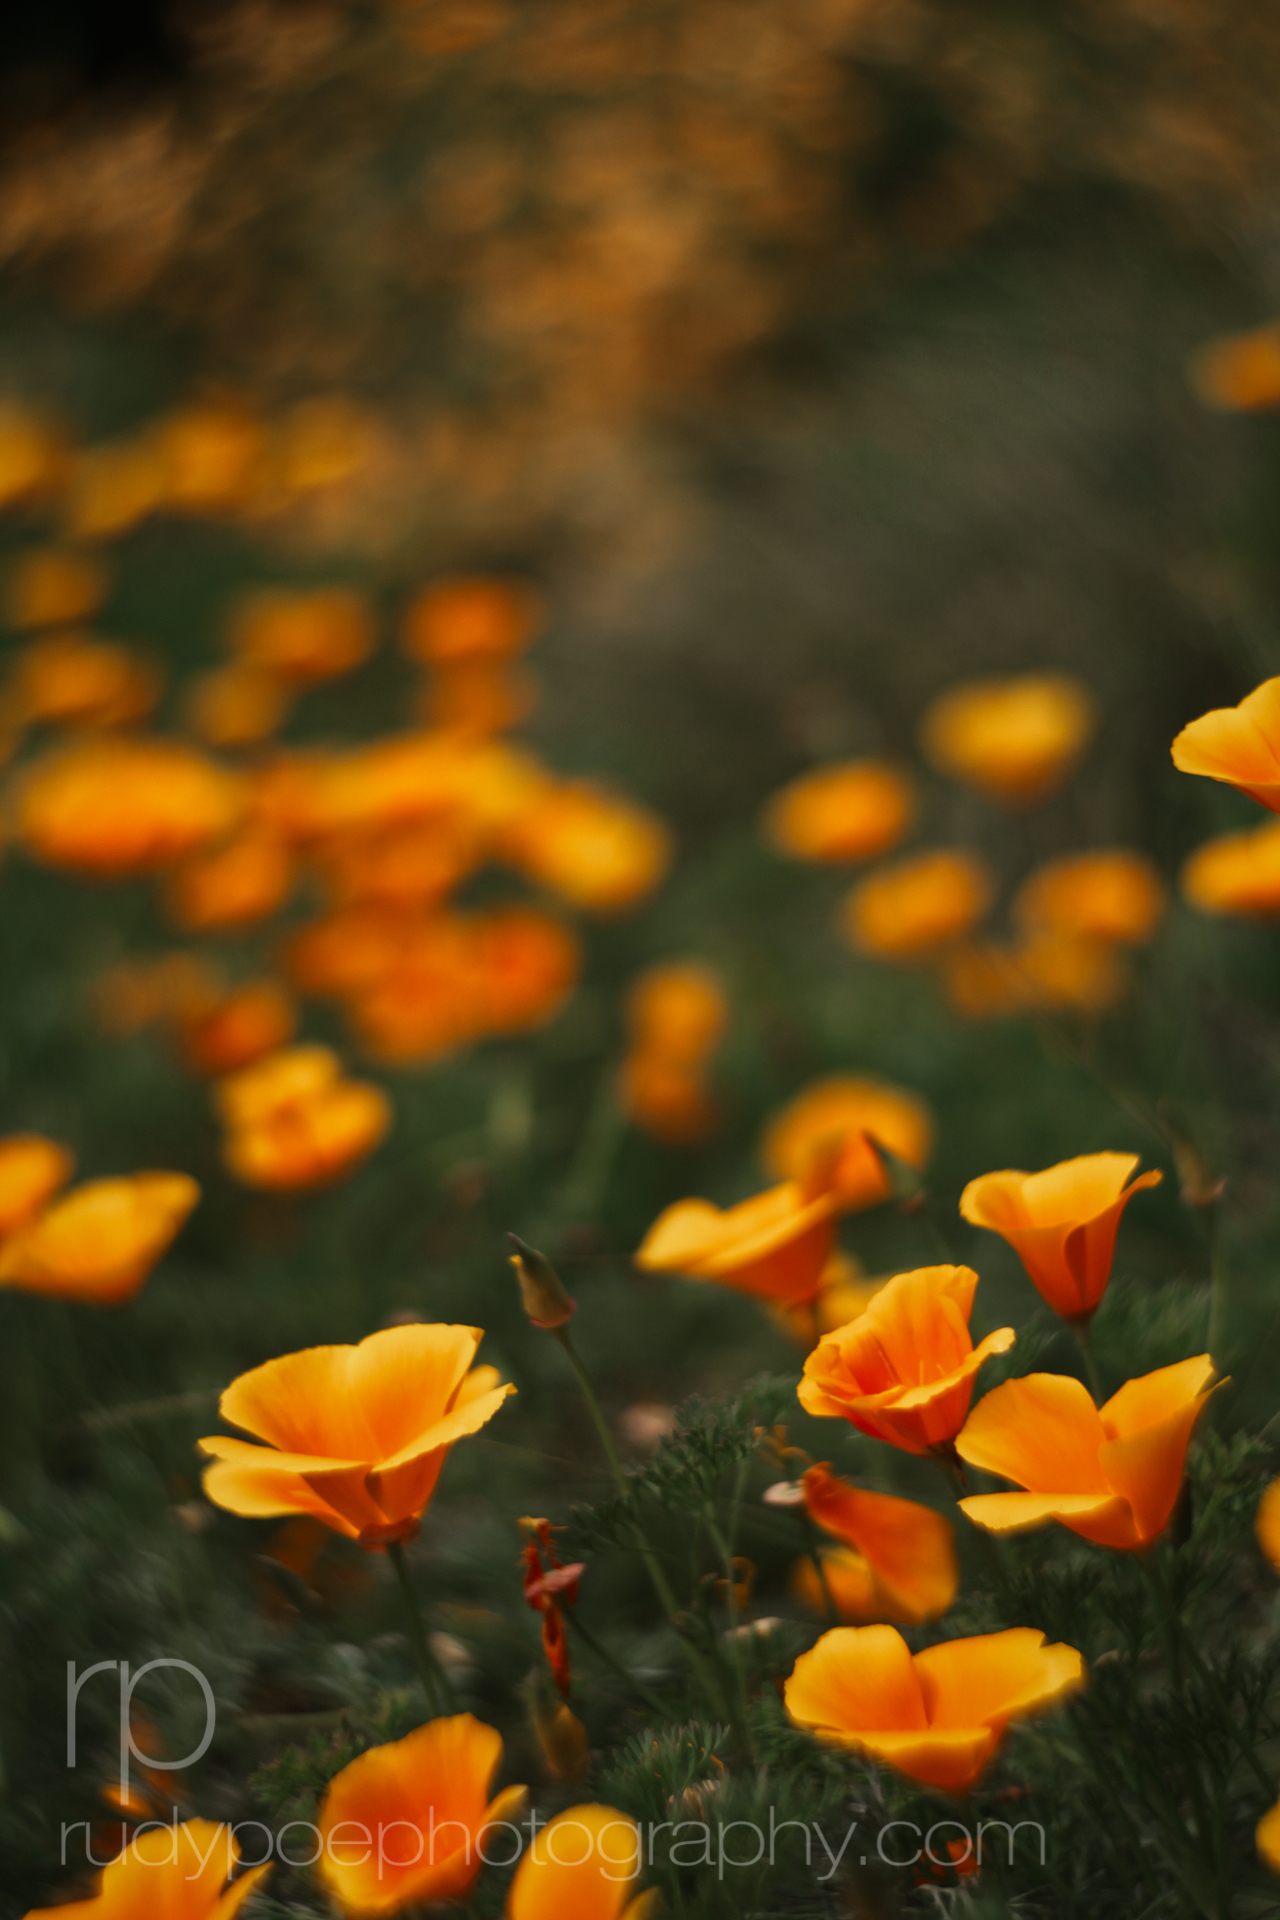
(435, 1685)
(1080, 1328)
(815, 1554)
(611, 1660)
(601, 1138)
(1217, 1286)
(738, 1718)
(1182, 1646)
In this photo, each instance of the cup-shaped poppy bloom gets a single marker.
(936, 1716)
(852, 811)
(775, 1245)
(294, 1121)
(236, 706)
(67, 679)
(470, 618)
(841, 1110)
(178, 1871)
(1111, 1474)
(1237, 873)
(237, 1028)
(1238, 745)
(31, 1171)
(1014, 739)
(910, 910)
(111, 807)
(1109, 895)
(47, 587)
(100, 1241)
(301, 638)
(1239, 372)
(907, 1551)
(356, 1436)
(904, 1370)
(404, 1823)
(1061, 1223)
(600, 852)
(676, 1011)
(582, 1866)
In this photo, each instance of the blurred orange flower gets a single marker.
(774, 1245)
(1240, 372)
(293, 1121)
(910, 910)
(434, 1784)
(100, 1241)
(602, 853)
(53, 587)
(1267, 1524)
(1111, 1474)
(464, 619)
(66, 679)
(112, 487)
(1237, 873)
(1061, 1223)
(111, 807)
(841, 1110)
(667, 1099)
(904, 1371)
(428, 1000)
(237, 1028)
(356, 1436)
(301, 638)
(1110, 895)
(1015, 739)
(179, 1871)
(210, 453)
(1238, 745)
(852, 811)
(937, 1716)
(411, 865)
(1070, 974)
(900, 1558)
(232, 886)
(526, 966)
(33, 455)
(479, 696)
(31, 1171)
(677, 1010)
(1267, 1838)
(581, 1866)
(236, 706)
(344, 952)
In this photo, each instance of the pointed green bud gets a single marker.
(541, 1292)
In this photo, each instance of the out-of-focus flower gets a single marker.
(355, 1436)
(479, 696)
(646, 1425)
(1061, 1223)
(900, 1562)
(985, 982)
(936, 1716)
(345, 952)
(429, 1000)
(33, 456)
(678, 1010)
(841, 1111)
(1240, 372)
(179, 1871)
(1238, 873)
(468, 618)
(232, 886)
(910, 910)
(904, 1372)
(111, 807)
(852, 811)
(1110, 895)
(31, 1171)
(210, 454)
(66, 679)
(320, 443)
(602, 853)
(1071, 974)
(563, 1739)
(100, 1241)
(527, 964)
(1266, 1838)
(301, 638)
(138, 993)
(236, 706)
(1238, 745)
(435, 1784)
(774, 1245)
(293, 1121)
(666, 1099)
(113, 487)
(1267, 1524)
(401, 780)
(581, 1866)
(1016, 739)
(237, 1028)
(1111, 1474)
(50, 587)
(844, 1294)
(405, 867)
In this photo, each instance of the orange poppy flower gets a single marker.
(301, 638)
(408, 866)
(1238, 745)
(49, 587)
(464, 619)
(344, 952)
(667, 1099)
(478, 696)
(527, 964)
(236, 706)
(1267, 1524)
(908, 911)
(33, 455)
(231, 886)
(602, 853)
(1061, 1223)
(111, 807)
(430, 1000)
(1071, 974)
(581, 1866)
(1239, 373)
(1237, 873)
(31, 1171)
(404, 1824)
(852, 811)
(356, 1436)
(900, 1559)
(178, 1871)
(843, 1109)
(211, 453)
(937, 1716)
(1015, 739)
(1267, 1836)
(320, 443)
(293, 1121)
(1111, 1474)
(774, 1245)
(252, 1020)
(112, 488)
(66, 679)
(904, 1371)
(1111, 895)
(676, 1011)
(100, 1241)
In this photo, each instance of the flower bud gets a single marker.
(563, 1740)
(541, 1293)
